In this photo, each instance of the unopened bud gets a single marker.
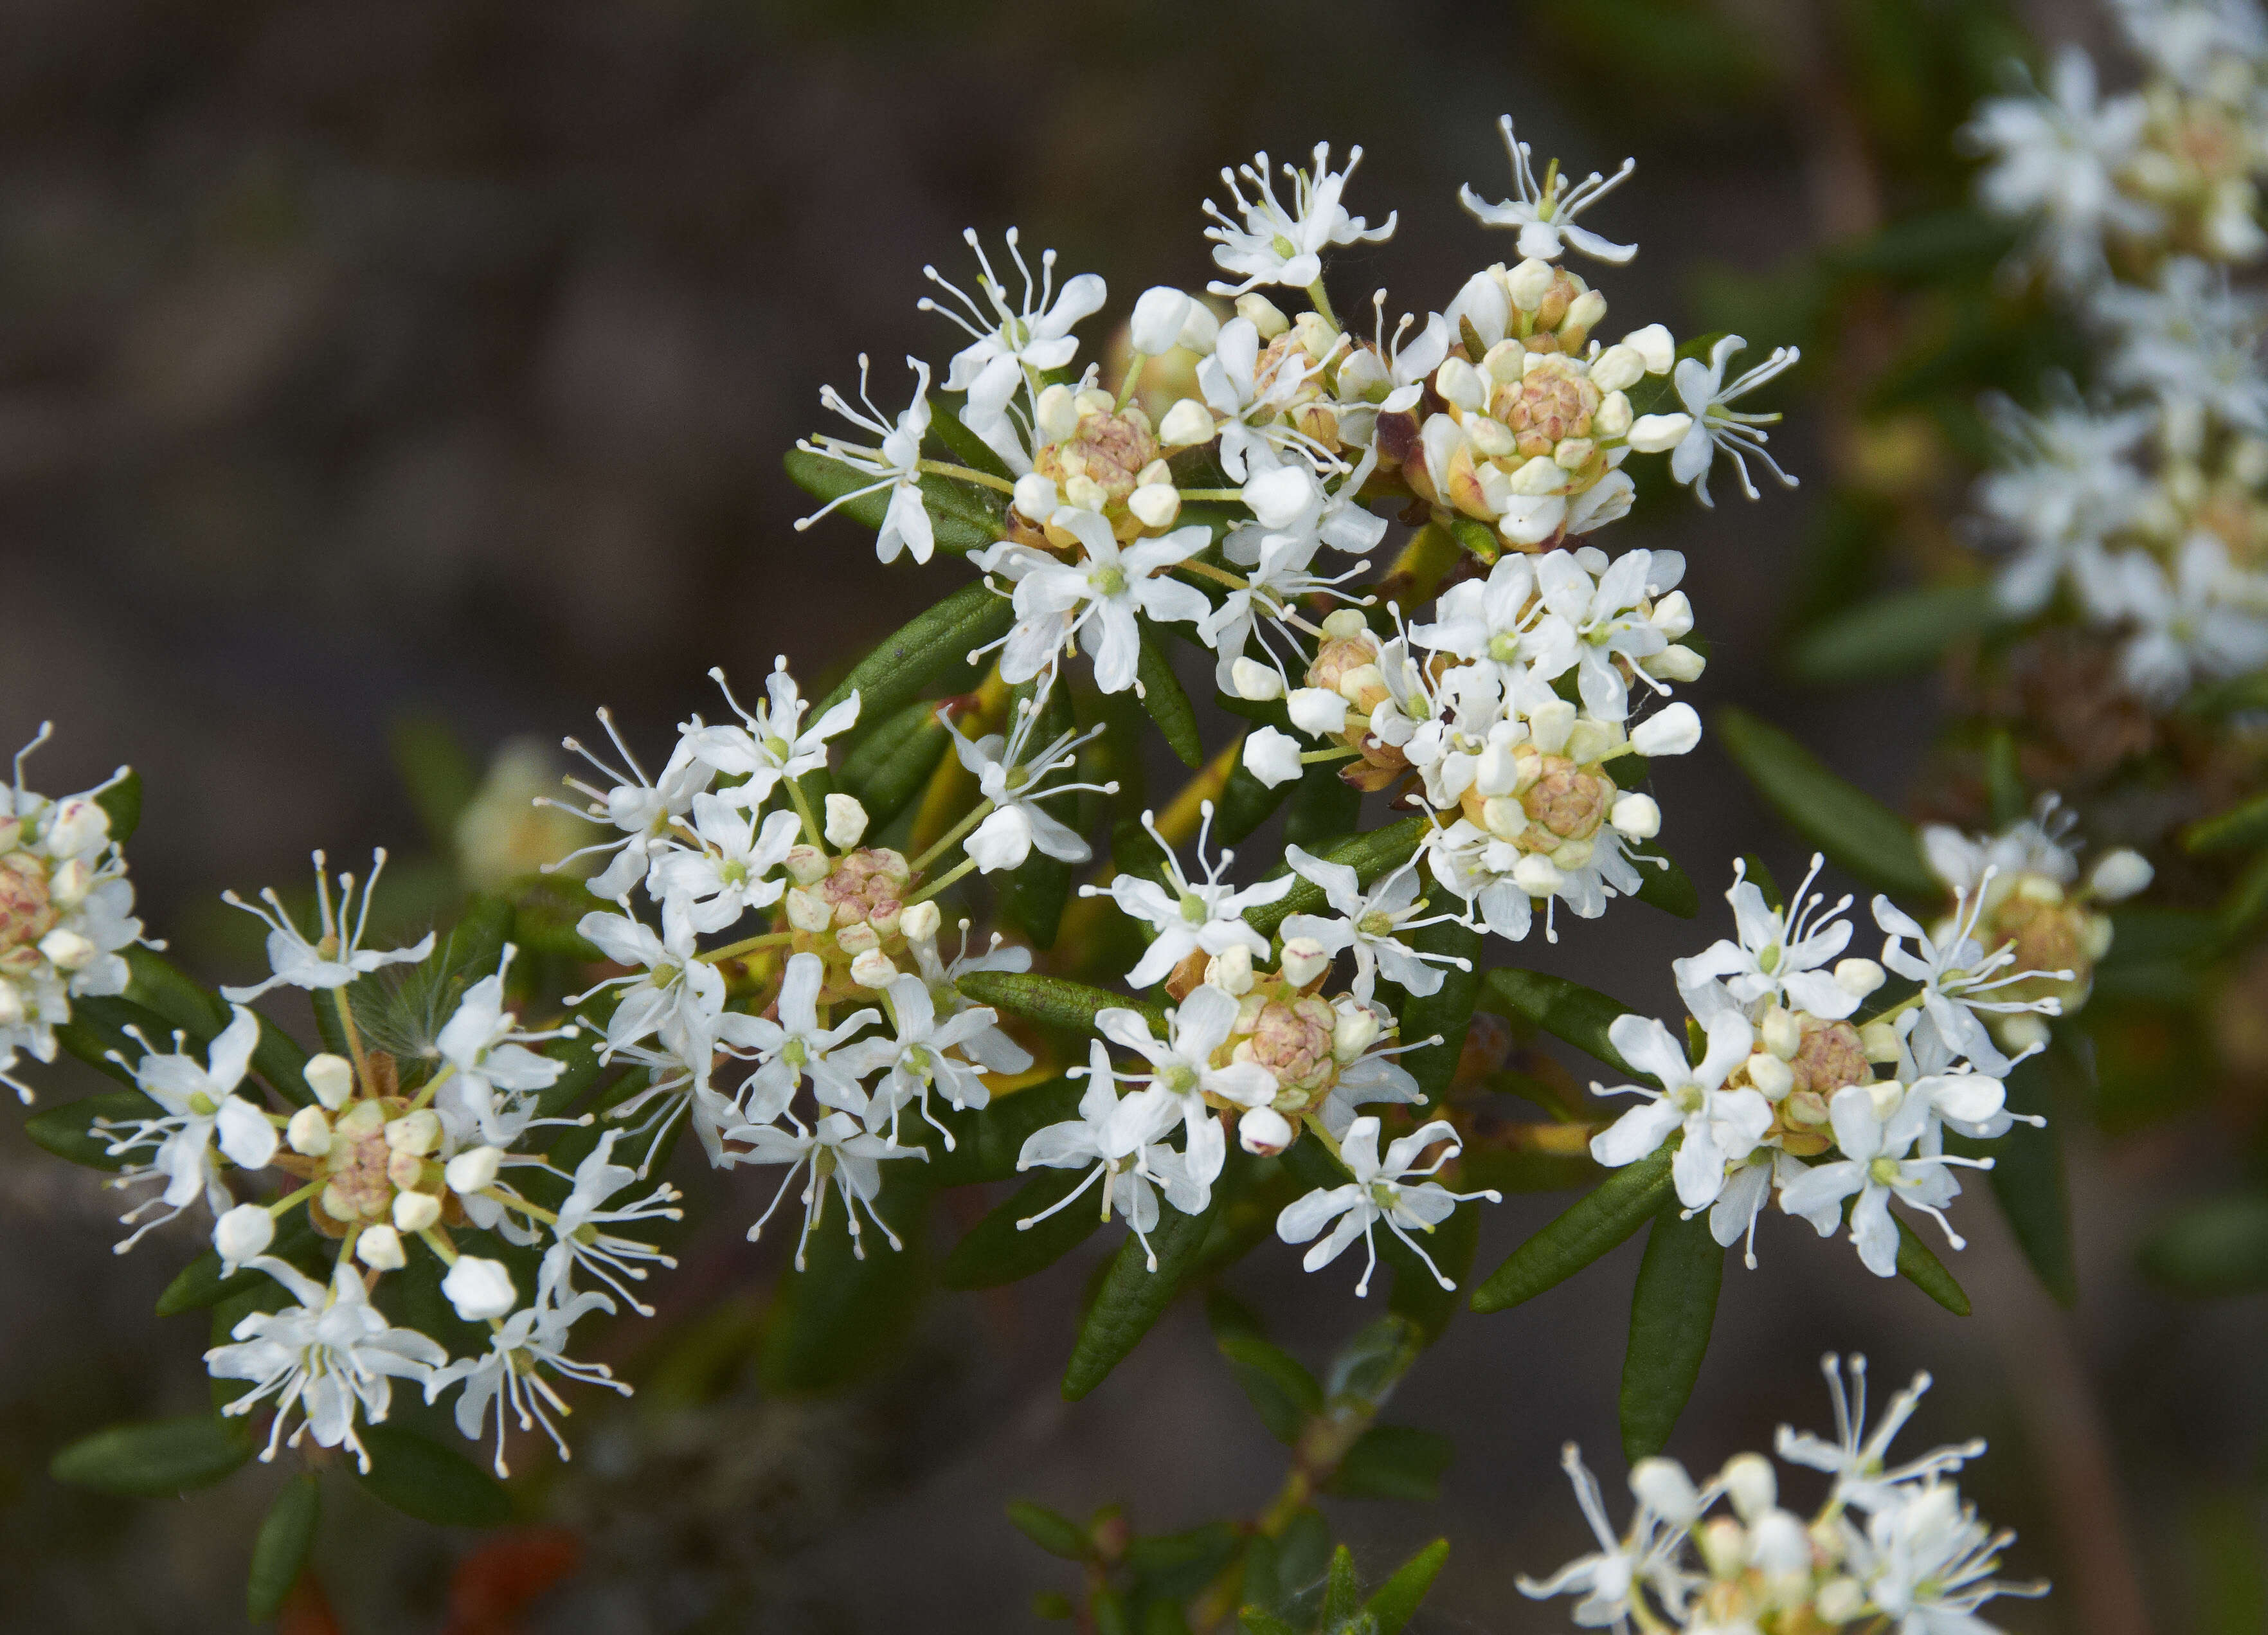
(1055, 415)
(920, 921)
(241, 1233)
(1783, 1035)
(1357, 1029)
(857, 938)
(331, 1078)
(1538, 877)
(379, 1248)
(1035, 496)
(1159, 315)
(1662, 1486)
(1614, 416)
(1671, 731)
(1655, 345)
(415, 1133)
(1187, 424)
(1529, 283)
(846, 821)
(1539, 476)
(2120, 874)
(1303, 960)
(309, 1132)
(1231, 970)
(1084, 493)
(1771, 1076)
(480, 1289)
(808, 912)
(1724, 1547)
(1617, 368)
(805, 865)
(1675, 663)
(1255, 680)
(1155, 505)
(1859, 977)
(1658, 434)
(872, 968)
(66, 949)
(1260, 312)
(1460, 383)
(1272, 757)
(1583, 312)
(2024, 1031)
(1880, 1041)
(1263, 1131)
(474, 1170)
(414, 1211)
(1317, 710)
(1750, 1484)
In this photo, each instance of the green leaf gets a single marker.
(1661, 883)
(1372, 1362)
(1393, 1461)
(1253, 1621)
(438, 773)
(1285, 1394)
(1245, 803)
(1929, 247)
(988, 1140)
(1053, 1001)
(66, 1131)
(155, 1458)
(121, 804)
(1854, 830)
(1175, 1566)
(1417, 1294)
(997, 1252)
(1342, 1590)
(1599, 1220)
(200, 1283)
(1671, 1312)
(1566, 1009)
(1056, 1533)
(1892, 635)
(1396, 1601)
(156, 983)
(279, 1554)
(1922, 1269)
(2028, 1171)
(2004, 779)
(1323, 807)
(920, 660)
(2213, 1248)
(2243, 825)
(1168, 704)
(1133, 1296)
(1448, 1011)
(894, 762)
(1380, 851)
(841, 1316)
(964, 516)
(422, 1478)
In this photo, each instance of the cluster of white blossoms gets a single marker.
(1890, 1547)
(1798, 1096)
(2143, 502)
(66, 911)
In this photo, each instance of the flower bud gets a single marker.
(1357, 1029)
(78, 825)
(1084, 493)
(66, 949)
(243, 1232)
(858, 937)
(1618, 368)
(1635, 815)
(2120, 874)
(1249, 679)
(920, 921)
(405, 1170)
(1839, 1601)
(1772, 1078)
(379, 1248)
(1538, 877)
(1054, 417)
(1271, 756)
(1260, 312)
(1582, 312)
(1677, 663)
(1317, 710)
(1035, 496)
(1782, 1034)
(1662, 1486)
(1655, 346)
(414, 1211)
(331, 1078)
(1155, 505)
(1263, 1131)
(872, 968)
(1529, 283)
(1880, 1041)
(808, 911)
(1303, 960)
(1724, 1547)
(309, 1132)
(1613, 417)
(1750, 1484)
(1806, 1108)
(1859, 977)
(1231, 970)
(415, 1133)
(1658, 434)
(846, 821)
(1539, 476)
(1460, 383)
(1159, 315)
(1549, 724)
(1187, 424)
(1673, 731)
(480, 1289)
(2024, 1031)
(474, 1170)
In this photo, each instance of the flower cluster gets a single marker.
(1790, 1097)
(66, 911)
(2144, 502)
(1889, 1546)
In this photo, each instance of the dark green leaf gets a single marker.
(67, 1131)
(2216, 1248)
(1342, 1590)
(164, 988)
(927, 658)
(1285, 1394)
(1671, 1312)
(893, 763)
(423, 1478)
(1393, 1461)
(842, 1316)
(1661, 883)
(438, 773)
(1133, 1296)
(1168, 704)
(988, 1140)
(964, 516)
(1760, 872)
(1380, 851)
(2243, 825)
(997, 1252)
(1372, 1362)
(1173, 1567)
(948, 427)
(121, 804)
(156, 1458)
(1323, 806)
(279, 1554)
(1596, 1222)
(1448, 1011)
(1253, 1621)
(1566, 1009)
(1853, 829)
(1417, 1294)
(1922, 1269)
(2028, 1171)
(1892, 635)
(1056, 1533)
(2004, 779)
(1053, 1001)
(1397, 1599)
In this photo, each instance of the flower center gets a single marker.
(1108, 580)
(1884, 1171)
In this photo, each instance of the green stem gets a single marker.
(430, 1085)
(1133, 378)
(1322, 300)
(748, 945)
(1229, 495)
(811, 829)
(1316, 757)
(976, 814)
(967, 474)
(942, 881)
(289, 1199)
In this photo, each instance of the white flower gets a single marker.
(1749, 1187)
(1207, 915)
(1371, 924)
(1702, 389)
(1545, 216)
(645, 811)
(773, 743)
(1013, 777)
(1118, 1137)
(335, 956)
(1390, 376)
(1779, 955)
(1876, 1165)
(479, 1288)
(1926, 1562)
(1094, 600)
(797, 1045)
(1181, 1066)
(201, 1110)
(2190, 40)
(1381, 1190)
(1608, 1580)
(916, 1058)
(509, 1376)
(986, 1042)
(1272, 594)
(895, 464)
(1274, 245)
(1251, 400)
(2067, 479)
(2057, 157)
(330, 1356)
(1958, 978)
(578, 1233)
(1721, 1126)
(1597, 627)
(2205, 619)
(732, 871)
(2193, 341)
(672, 994)
(1489, 621)
(1011, 346)
(1165, 318)
(852, 1157)
(489, 1071)
(1858, 1461)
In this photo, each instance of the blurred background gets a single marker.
(365, 366)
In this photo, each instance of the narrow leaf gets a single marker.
(997, 1251)
(893, 763)
(1052, 1001)
(1133, 1296)
(1448, 1011)
(1598, 1221)
(1671, 1312)
(1342, 1590)
(2028, 1172)
(1417, 1294)
(2244, 825)
(1284, 1392)
(988, 1140)
(1397, 1599)
(279, 1554)
(1323, 806)
(1056, 1533)
(1892, 635)
(920, 660)
(1922, 1269)
(157, 1458)
(2213, 1248)
(1167, 703)
(1661, 883)
(1566, 1009)
(1853, 829)
(964, 516)
(423, 1478)
(68, 1131)
(121, 804)
(1393, 1461)
(842, 1317)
